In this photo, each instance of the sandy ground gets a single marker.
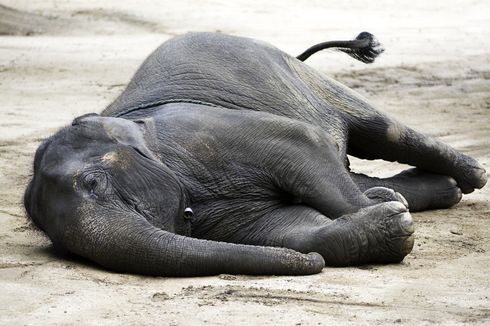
(61, 59)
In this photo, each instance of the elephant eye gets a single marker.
(95, 182)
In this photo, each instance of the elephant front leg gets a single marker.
(316, 176)
(382, 233)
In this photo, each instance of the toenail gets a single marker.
(408, 245)
(453, 182)
(397, 206)
(459, 195)
(402, 199)
(406, 223)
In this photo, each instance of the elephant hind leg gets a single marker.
(381, 137)
(382, 233)
(422, 190)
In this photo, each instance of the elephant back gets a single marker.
(219, 70)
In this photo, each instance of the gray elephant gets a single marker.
(227, 155)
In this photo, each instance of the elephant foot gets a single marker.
(424, 190)
(470, 175)
(382, 233)
(381, 195)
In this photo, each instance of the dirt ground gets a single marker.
(60, 59)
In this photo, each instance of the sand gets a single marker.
(61, 59)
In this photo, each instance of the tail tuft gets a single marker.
(367, 53)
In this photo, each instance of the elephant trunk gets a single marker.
(131, 244)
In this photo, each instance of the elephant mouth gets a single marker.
(179, 223)
(185, 215)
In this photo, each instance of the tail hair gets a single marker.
(365, 48)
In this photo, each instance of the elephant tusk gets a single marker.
(188, 213)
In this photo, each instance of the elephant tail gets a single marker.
(365, 48)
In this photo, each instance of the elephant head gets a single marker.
(98, 191)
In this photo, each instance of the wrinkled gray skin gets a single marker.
(254, 141)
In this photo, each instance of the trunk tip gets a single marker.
(315, 262)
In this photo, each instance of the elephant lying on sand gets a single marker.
(227, 155)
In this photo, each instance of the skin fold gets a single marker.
(227, 155)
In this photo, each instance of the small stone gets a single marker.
(227, 277)
(160, 296)
(456, 232)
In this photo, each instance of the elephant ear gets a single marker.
(123, 131)
(129, 243)
(129, 133)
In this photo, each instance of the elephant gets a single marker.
(225, 154)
